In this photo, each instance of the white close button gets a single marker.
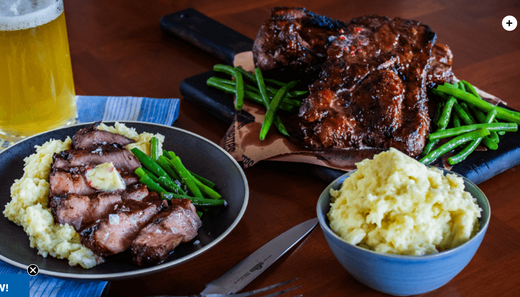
(509, 23)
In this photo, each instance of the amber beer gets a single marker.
(36, 85)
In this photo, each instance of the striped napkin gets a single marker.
(93, 109)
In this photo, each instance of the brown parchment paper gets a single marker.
(243, 143)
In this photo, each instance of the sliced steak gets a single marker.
(90, 137)
(115, 233)
(177, 223)
(62, 182)
(136, 192)
(75, 182)
(130, 178)
(122, 159)
(80, 210)
(293, 43)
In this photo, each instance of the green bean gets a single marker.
(271, 111)
(508, 127)
(149, 182)
(239, 83)
(168, 154)
(165, 164)
(209, 192)
(148, 163)
(170, 185)
(154, 148)
(464, 106)
(463, 154)
(147, 172)
(248, 75)
(248, 94)
(203, 180)
(262, 88)
(470, 89)
(461, 86)
(440, 112)
(253, 78)
(446, 113)
(456, 120)
(267, 102)
(297, 93)
(453, 143)
(185, 177)
(502, 113)
(195, 200)
(490, 144)
(481, 117)
(221, 83)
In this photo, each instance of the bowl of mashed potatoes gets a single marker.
(401, 227)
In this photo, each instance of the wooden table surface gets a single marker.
(118, 48)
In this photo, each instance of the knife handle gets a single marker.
(206, 34)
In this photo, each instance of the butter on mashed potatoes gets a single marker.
(394, 204)
(30, 197)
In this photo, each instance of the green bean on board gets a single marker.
(269, 115)
(453, 143)
(464, 153)
(239, 86)
(509, 127)
(502, 113)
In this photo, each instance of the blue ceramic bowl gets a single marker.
(396, 274)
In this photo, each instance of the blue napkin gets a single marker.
(93, 109)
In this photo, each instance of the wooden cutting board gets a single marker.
(232, 47)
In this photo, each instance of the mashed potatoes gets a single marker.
(394, 204)
(30, 196)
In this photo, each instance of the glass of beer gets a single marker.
(36, 85)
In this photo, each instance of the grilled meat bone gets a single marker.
(369, 88)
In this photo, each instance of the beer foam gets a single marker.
(14, 17)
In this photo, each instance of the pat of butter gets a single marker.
(105, 177)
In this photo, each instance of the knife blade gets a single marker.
(244, 272)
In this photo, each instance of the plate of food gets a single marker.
(363, 86)
(116, 200)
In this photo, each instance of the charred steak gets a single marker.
(178, 223)
(371, 90)
(293, 43)
(114, 234)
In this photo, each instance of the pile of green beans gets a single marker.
(164, 173)
(277, 95)
(472, 120)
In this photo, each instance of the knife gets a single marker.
(244, 272)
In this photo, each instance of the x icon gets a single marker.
(32, 269)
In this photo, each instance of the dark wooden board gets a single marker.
(224, 43)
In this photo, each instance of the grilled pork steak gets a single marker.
(177, 223)
(121, 158)
(293, 43)
(370, 90)
(114, 234)
(80, 211)
(63, 182)
(90, 138)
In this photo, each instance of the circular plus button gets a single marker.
(509, 23)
